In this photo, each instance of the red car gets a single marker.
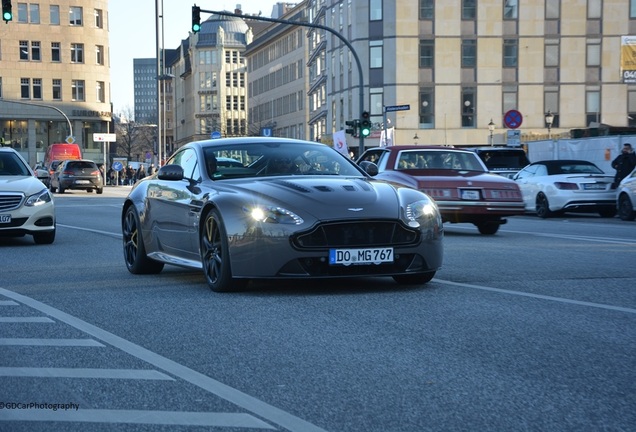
(456, 179)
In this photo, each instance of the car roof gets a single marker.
(559, 162)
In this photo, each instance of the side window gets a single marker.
(187, 159)
(542, 170)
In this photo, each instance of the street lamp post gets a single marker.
(549, 119)
(491, 128)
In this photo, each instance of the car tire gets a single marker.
(215, 255)
(414, 279)
(44, 237)
(626, 208)
(488, 228)
(543, 206)
(99, 191)
(135, 256)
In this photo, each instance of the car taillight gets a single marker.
(68, 173)
(96, 173)
(566, 186)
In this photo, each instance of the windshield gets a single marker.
(11, 165)
(438, 159)
(271, 159)
(504, 159)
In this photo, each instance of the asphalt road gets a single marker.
(531, 329)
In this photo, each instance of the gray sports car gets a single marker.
(282, 209)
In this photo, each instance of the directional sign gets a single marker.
(397, 108)
(513, 119)
(215, 135)
(104, 137)
(118, 166)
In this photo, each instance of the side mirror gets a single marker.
(170, 172)
(369, 167)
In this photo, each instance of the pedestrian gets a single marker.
(141, 173)
(151, 169)
(624, 163)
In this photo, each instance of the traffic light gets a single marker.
(7, 15)
(196, 19)
(365, 124)
(353, 130)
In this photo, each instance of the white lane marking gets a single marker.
(110, 234)
(50, 342)
(8, 303)
(25, 319)
(131, 374)
(137, 417)
(539, 296)
(243, 400)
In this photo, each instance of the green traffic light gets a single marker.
(196, 27)
(7, 16)
(365, 132)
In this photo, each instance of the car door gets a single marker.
(175, 218)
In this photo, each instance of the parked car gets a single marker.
(26, 205)
(456, 179)
(293, 209)
(51, 167)
(551, 187)
(80, 174)
(626, 198)
(42, 174)
(505, 161)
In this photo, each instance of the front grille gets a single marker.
(356, 234)
(10, 201)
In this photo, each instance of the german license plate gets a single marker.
(82, 182)
(470, 195)
(360, 256)
(5, 218)
(594, 186)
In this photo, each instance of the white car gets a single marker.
(26, 205)
(626, 199)
(556, 186)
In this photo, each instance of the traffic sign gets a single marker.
(397, 108)
(266, 132)
(104, 137)
(70, 139)
(118, 166)
(513, 119)
(215, 135)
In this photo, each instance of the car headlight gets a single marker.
(422, 208)
(272, 214)
(39, 198)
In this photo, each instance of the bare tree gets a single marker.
(134, 139)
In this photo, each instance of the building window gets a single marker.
(593, 51)
(553, 9)
(55, 52)
(57, 89)
(99, 54)
(468, 107)
(375, 10)
(511, 10)
(25, 88)
(551, 103)
(99, 22)
(375, 54)
(54, 13)
(34, 13)
(469, 9)
(632, 9)
(75, 15)
(37, 88)
(24, 50)
(427, 9)
(427, 108)
(509, 98)
(100, 91)
(594, 9)
(35, 51)
(631, 108)
(510, 53)
(551, 53)
(23, 15)
(77, 90)
(469, 53)
(77, 53)
(427, 53)
(592, 107)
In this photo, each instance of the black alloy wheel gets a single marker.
(215, 256)
(626, 208)
(543, 207)
(135, 256)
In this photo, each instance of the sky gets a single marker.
(132, 35)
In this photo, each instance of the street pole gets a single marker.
(318, 26)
